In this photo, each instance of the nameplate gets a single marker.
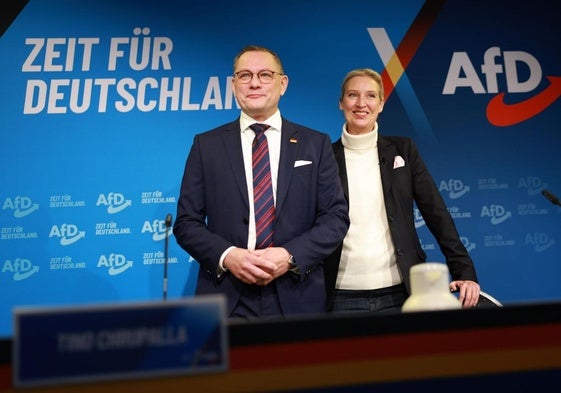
(126, 341)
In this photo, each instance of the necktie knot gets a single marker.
(259, 128)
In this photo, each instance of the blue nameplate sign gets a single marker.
(109, 342)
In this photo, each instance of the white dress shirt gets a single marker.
(247, 135)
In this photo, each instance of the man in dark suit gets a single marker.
(382, 178)
(215, 220)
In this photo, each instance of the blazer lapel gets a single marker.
(233, 146)
(290, 146)
(386, 154)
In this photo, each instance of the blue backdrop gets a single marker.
(101, 100)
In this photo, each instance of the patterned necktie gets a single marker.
(262, 188)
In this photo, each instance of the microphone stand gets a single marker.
(165, 284)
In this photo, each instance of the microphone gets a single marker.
(168, 221)
(165, 284)
(550, 197)
(382, 162)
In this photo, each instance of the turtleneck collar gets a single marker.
(360, 142)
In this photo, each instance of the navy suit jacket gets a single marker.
(403, 187)
(311, 211)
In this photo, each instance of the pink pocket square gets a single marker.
(398, 162)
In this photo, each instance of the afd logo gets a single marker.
(533, 184)
(114, 201)
(20, 205)
(504, 64)
(539, 241)
(157, 228)
(462, 73)
(114, 263)
(454, 187)
(496, 213)
(21, 268)
(68, 233)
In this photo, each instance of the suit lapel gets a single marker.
(290, 146)
(339, 152)
(233, 146)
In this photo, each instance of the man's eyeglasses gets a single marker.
(265, 76)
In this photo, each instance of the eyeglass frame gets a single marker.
(258, 76)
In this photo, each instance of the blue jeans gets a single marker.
(383, 300)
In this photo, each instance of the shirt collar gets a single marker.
(274, 121)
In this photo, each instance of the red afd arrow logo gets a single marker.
(503, 115)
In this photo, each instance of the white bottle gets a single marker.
(430, 289)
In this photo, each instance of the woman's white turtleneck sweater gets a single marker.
(368, 258)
